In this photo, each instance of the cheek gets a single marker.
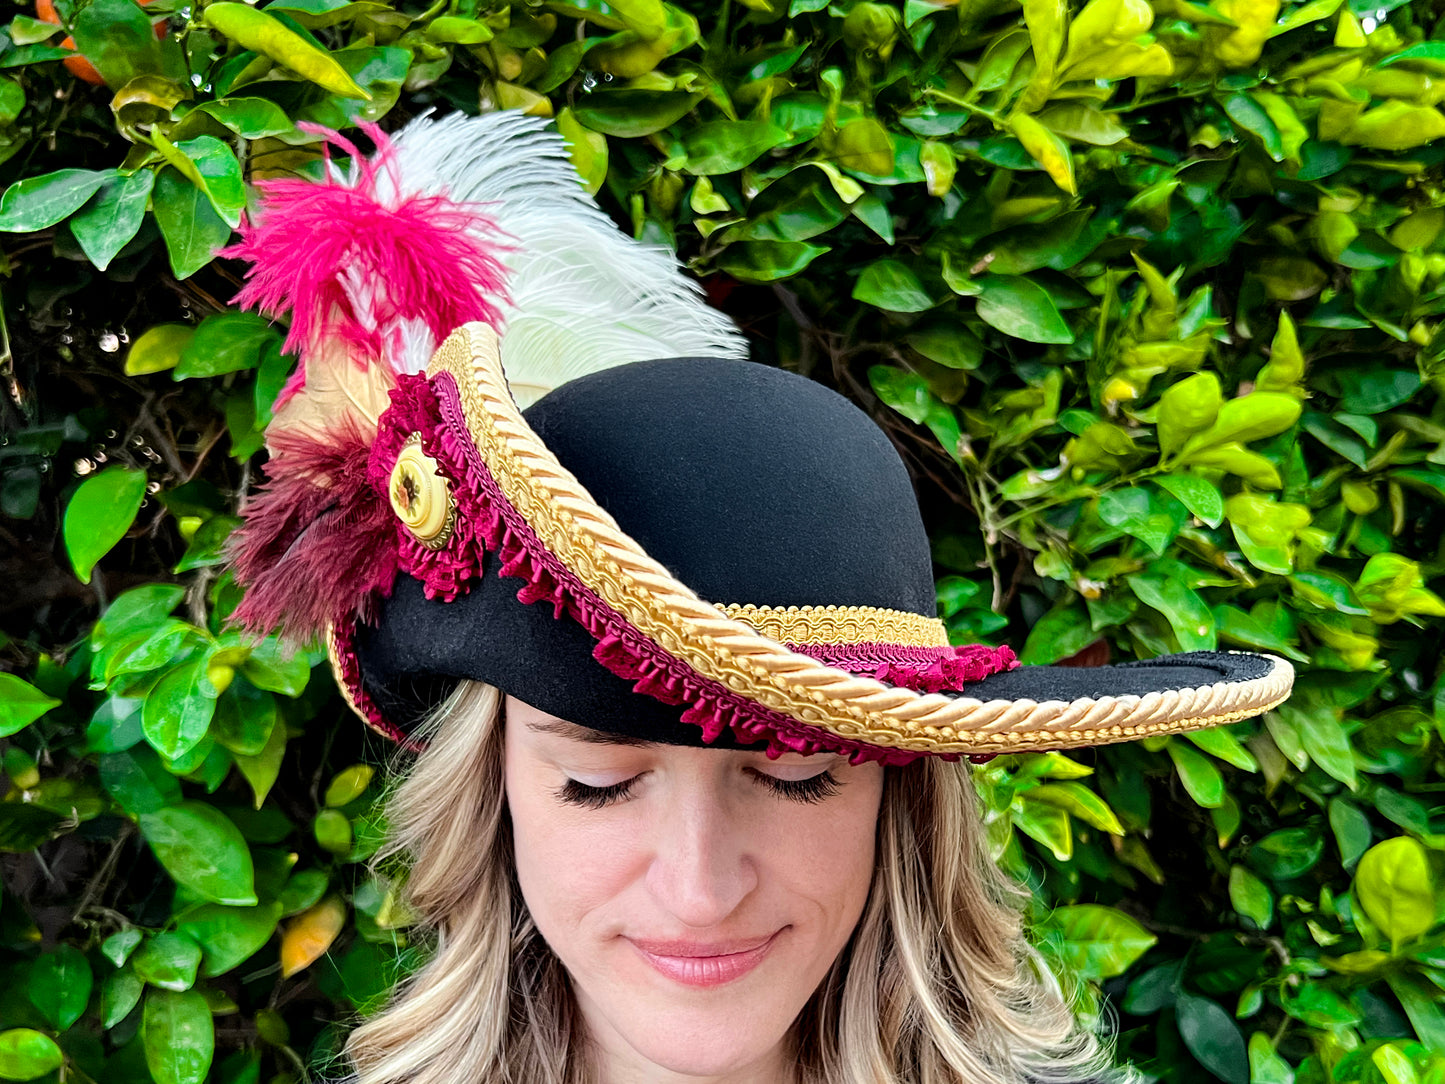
(824, 854)
(569, 864)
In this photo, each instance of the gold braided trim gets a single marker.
(716, 646)
(840, 625)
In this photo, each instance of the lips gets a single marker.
(698, 963)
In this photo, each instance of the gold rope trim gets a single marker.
(840, 625)
(717, 646)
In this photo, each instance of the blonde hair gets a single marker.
(937, 985)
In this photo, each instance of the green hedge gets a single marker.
(1149, 293)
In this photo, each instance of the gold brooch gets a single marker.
(420, 496)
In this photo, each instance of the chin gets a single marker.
(704, 1042)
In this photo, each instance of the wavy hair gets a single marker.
(937, 985)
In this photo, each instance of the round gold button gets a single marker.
(420, 496)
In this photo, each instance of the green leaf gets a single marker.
(1287, 853)
(767, 261)
(1187, 614)
(262, 769)
(118, 946)
(1325, 741)
(59, 986)
(1251, 116)
(950, 345)
(1202, 498)
(1045, 823)
(178, 1036)
(1421, 1001)
(229, 936)
(348, 785)
(138, 782)
(1212, 1037)
(1079, 800)
(135, 609)
(227, 342)
(21, 704)
(891, 286)
(1198, 774)
(277, 668)
(633, 113)
(1132, 511)
(249, 118)
(302, 891)
(1219, 742)
(34, 203)
(726, 146)
(332, 830)
(1099, 942)
(220, 173)
(1251, 897)
(1250, 417)
(158, 349)
(1351, 826)
(1057, 635)
(117, 37)
(1394, 1066)
(99, 514)
(1395, 888)
(265, 34)
(1374, 389)
(106, 224)
(119, 994)
(190, 226)
(168, 960)
(202, 850)
(178, 710)
(1265, 1066)
(1021, 308)
(27, 1054)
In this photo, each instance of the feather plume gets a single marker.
(318, 545)
(582, 295)
(364, 261)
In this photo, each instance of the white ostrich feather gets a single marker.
(584, 296)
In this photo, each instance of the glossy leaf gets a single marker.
(1396, 888)
(112, 217)
(1212, 1038)
(21, 704)
(1100, 942)
(179, 1037)
(59, 986)
(99, 514)
(26, 1054)
(1022, 309)
(202, 850)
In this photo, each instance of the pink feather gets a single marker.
(347, 261)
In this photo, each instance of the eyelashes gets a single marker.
(808, 791)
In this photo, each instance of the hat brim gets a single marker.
(653, 629)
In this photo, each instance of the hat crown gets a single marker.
(752, 485)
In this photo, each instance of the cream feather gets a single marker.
(584, 296)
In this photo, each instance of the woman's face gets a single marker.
(697, 897)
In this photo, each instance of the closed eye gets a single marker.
(813, 789)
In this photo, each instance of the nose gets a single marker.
(702, 868)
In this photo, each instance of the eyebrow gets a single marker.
(563, 729)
